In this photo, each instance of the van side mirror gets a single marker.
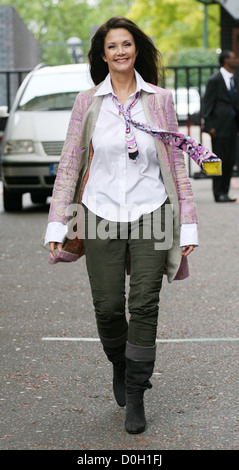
(3, 117)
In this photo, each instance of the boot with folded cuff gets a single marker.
(139, 368)
(114, 349)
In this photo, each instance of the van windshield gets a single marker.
(49, 92)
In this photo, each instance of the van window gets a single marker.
(51, 92)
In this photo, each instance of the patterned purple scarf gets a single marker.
(194, 149)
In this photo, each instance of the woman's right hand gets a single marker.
(55, 246)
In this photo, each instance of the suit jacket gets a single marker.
(218, 106)
(75, 161)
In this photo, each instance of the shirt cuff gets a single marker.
(55, 232)
(189, 234)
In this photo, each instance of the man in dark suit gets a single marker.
(221, 120)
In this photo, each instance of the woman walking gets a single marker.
(132, 188)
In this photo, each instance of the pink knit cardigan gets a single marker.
(159, 110)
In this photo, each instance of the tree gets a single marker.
(176, 24)
(53, 20)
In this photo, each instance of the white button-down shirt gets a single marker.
(118, 189)
(227, 77)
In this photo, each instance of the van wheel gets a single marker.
(38, 198)
(12, 201)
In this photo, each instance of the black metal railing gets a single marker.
(188, 79)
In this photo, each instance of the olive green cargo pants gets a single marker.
(106, 245)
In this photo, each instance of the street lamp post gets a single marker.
(205, 21)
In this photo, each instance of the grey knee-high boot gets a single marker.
(139, 368)
(114, 349)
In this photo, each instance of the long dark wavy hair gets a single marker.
(148, 61)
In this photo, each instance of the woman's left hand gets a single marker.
(186, 250)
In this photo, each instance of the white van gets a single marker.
(187, 105)
(36, 130)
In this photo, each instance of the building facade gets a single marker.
(18, 49)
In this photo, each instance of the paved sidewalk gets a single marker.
(56, 394)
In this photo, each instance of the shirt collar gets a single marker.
(106, 87)
(225, 73)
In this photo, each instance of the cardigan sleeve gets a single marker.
(187, 202)
(68, 170)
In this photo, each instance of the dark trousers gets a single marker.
(225, 148)
(106, 265)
